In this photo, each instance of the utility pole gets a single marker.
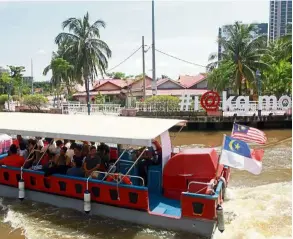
(154, 84)
(258, 75)
(143, 69)
(32, 75)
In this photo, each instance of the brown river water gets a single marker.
(257, 207)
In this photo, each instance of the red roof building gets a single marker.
(111, 88)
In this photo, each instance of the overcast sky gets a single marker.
(185, 29)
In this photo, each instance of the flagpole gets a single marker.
(233, 126)
(224, 137)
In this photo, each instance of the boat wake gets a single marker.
(262, 212)
(250, 213)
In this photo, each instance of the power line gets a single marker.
(124, 60)
(180, 59)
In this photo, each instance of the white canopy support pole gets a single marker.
(109, 171)
(175, 136)
(45, 151)
(133, 164)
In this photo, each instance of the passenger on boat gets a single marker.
(62, 162)
(13, 160)
(117, 177)
(85, 150)
(67, 143)
(40, 143)
(104, 153)
(78, 154)
(70, 151)
(52, 144)
(23, 150)
(92, 161)
(20, 139)
(76, 170)
(152, 156)
(59, 145)
(32, 154)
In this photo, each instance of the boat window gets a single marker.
(33, 180)
(113, 194)
(96, 191)
(78, 188)
(62, 186)
(197, 208)
(133, 197)
(47, 183)
(18, 177)
(6, 176)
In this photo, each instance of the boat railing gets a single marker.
(201, 183)
(114, 174)
(134, 163)
(109, 171)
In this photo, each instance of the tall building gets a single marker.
(280, 18)
(261, 29)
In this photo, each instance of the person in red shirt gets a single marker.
(13, 160)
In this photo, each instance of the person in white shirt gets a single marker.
(23, 150)
(40, 142)
(67, 143)
(70, 151)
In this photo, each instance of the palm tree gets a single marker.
(280, 49)
(85, 48)
(245, 51)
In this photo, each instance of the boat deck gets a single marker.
(162, 206)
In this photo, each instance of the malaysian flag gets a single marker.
(248, 134)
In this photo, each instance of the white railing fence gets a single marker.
(96, 109)
(268, 108)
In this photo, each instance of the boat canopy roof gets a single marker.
(96, 128)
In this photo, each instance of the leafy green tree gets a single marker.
(83, 43)
(245, 50)
(5, 82)
(99, 99)
(35, 101)
(60, 72)
(163, 102)
(116, 75)
(278, 80)
(16, 73)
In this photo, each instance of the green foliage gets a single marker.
(83, 48)
(164, 101)
(5, 80)
(117, 75)
(245, 51)
(35, 101)
(3, 99)
(44, 85)
(278, 80)
(221, 78)
(100, 99)
(244, 54)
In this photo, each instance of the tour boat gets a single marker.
(184, 193)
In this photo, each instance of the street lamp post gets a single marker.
(154, 84)
(258, 79)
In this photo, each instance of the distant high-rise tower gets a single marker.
(280, 18)
(261, 29)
